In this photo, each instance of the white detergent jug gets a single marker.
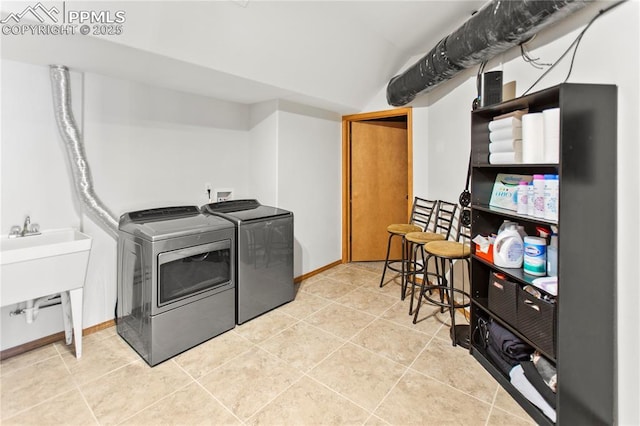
(508, 249)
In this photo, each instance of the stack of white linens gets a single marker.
(505, 136)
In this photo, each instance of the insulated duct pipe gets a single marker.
(498, 26)
(75, 150)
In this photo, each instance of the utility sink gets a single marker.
(52, 262)
(40, 265)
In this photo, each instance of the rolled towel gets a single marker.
(533, 138)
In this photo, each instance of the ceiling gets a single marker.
(336, 55)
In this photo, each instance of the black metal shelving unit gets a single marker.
(585, 331)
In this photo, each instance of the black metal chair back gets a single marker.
(445, 216)
(422, 212)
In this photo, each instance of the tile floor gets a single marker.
(344, 352)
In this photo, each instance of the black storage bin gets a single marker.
(537, 321)
(503, 298)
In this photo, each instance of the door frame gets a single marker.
(346, 167)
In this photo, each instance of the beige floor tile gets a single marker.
(29, 386)
(391, 288)
(391, 283)
(505, 402)
(444, 333)
(304, 305)
(328, 288)
(250, 382)
(191, 405)
(375, 266)
(309, 403)
(125, 391)
(335, 269)
(101, 334)
(399, 313)
(369, 301)
(26, 359)
(340, 320)
(213, 353)
(456, 367)
(99, 357)
(419, 400)
(375, 421)
(356, 276)
(265, 326)
(343, 383)
(502, 418)
(68, 408)
(393, 341)
(302, 345)
(361, 376)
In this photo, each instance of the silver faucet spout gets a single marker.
(25, 227)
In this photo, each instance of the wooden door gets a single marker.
(379, 186)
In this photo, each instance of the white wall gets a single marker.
(34, 175)
(146, 147)
(608, 54)
(310, 183)
(263, 152)
(150, 147)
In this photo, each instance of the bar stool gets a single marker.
(444, 217)
(445, 254)
(421, 213)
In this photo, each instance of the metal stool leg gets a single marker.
(386, 260)
(414, 261)
(405, 268)
(460, 334)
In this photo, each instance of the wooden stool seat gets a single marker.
(403, 228)
(423, 237)
(448, 249)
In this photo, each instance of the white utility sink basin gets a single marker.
(46, 244)
(41, 265)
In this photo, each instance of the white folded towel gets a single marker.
(506, 133)
(507, 145)
(503, 123)
(505, 158)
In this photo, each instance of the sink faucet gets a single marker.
(25, 227)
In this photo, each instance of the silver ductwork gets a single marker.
(498, 26)
(75, 151)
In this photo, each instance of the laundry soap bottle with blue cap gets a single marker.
(508, 249)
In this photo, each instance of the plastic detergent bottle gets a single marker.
(508, 249)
